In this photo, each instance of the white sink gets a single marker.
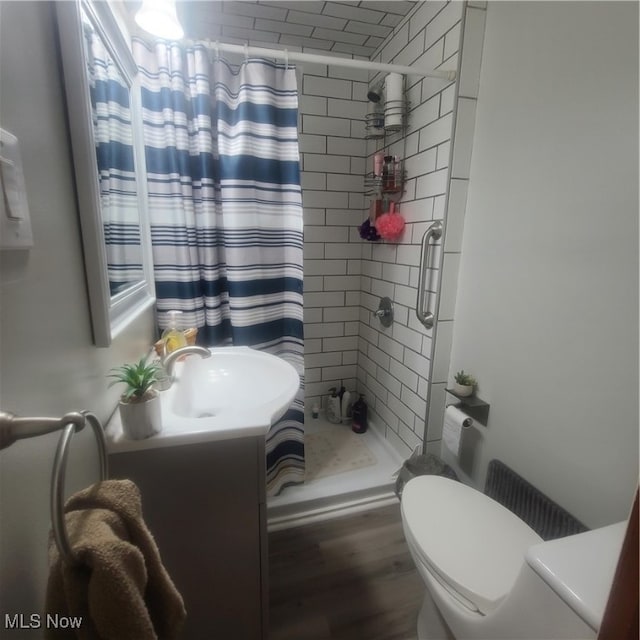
(237, 392)
(235, 383)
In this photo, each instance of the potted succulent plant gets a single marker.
(139, 403)
(464, 383)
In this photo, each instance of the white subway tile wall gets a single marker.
(332, 163)
(394, 363)
(352, 29)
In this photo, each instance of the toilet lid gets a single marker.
(470, 542)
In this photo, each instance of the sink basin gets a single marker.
(235, 383)
(237, 392)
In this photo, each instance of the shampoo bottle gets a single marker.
(172, 337)
(359, 415)
(345, 405)
(333, 407)
(378, 160)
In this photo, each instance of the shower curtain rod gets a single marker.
(298, 56)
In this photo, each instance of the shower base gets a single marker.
(342, 493)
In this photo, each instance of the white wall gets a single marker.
(547, 305)
(48, 364)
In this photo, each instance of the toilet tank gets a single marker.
(580, 568)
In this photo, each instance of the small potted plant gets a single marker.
(140, 403)
(464, 384)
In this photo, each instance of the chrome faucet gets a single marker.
(169, 360)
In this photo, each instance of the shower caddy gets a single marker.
(385, 182)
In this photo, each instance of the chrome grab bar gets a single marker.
(435, 232)
(13, 428)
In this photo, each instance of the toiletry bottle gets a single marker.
(388, 173)
(378, 160)
(345, 406)
(333, 406)
(359, 415)
(172, 337)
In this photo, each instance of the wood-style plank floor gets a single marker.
(350, 578)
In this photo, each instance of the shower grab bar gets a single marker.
(435, 232)
(13, 428)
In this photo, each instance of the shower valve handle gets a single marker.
(384, 313)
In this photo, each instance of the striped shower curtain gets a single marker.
(225, 204)
(111, 115)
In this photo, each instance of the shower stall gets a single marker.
(402, 368)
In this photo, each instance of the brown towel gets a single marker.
(120, 588)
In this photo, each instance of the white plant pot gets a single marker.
(463, 389)
(141, 419)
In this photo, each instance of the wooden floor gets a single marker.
(350, 578)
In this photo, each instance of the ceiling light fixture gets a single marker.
(159, 18)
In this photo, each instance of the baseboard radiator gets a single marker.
(548, 519)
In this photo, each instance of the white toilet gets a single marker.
(488, 575)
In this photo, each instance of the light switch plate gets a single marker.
(15, 222)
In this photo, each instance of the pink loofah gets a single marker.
(390, 225)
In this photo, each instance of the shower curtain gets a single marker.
(225, 203)
(111, 115)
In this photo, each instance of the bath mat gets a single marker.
(335, 449)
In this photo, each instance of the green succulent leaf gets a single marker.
(138, 378)
(465, 379)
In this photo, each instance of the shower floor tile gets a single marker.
(330, 495)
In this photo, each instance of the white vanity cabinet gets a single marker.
(205, 504)
(202, 480)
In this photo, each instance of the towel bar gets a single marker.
(13, 428)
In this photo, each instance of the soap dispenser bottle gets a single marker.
(172, 337)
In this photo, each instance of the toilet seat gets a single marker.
(470, 543)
